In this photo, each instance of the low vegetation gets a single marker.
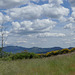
(55, 65)
(57, 52)
(24, 63)
(27, 55)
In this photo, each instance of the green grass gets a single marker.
(56, 65)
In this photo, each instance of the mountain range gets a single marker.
(17, 49)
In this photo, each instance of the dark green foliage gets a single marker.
(1, 52)
(24, 55)
(4, 55)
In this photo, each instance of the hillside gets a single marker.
(17, 49)
(55, 65)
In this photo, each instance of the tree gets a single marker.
(2, 32)
(2, 35)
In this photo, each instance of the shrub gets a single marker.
(48, 54)
(41, 55)
(6, 59)
(33, 55)
(64, 51)
(73, 49)
(24, 55)
(55, 52)
(52, 53)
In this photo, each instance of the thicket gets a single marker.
(24, 55)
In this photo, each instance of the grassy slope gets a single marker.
(56, 65)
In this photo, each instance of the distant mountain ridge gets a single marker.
(17, 49)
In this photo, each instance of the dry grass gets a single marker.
(56, 65)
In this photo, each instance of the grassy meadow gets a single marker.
(54, 65)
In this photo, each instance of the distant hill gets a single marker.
(70, 47)
(14, 49)
(17, 49)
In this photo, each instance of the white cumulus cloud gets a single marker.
(68, 26)
(32, 12)
(47, 35)
(37, 26)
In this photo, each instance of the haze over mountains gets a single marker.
(17, 49)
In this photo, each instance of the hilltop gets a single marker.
(18, 49)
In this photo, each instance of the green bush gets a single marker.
(6, 59)
(33, 55)
(24, 55)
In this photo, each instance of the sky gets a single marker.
(38, 23)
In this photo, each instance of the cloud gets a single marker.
(48, 35)
(35, 1)
(36, 20)
(16, 25)
(28, 12)
(62, 19)
(6, 4)
(6, 33)
(73, 13)
(56, 2)
(71, 19)
(55, 12)
(1, 18)
(29, 27)
(4, 18)
(21, 41)
(33, 11)
(68, 26)
(33, 43)
(72, 2)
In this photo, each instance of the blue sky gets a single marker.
(38, 23)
